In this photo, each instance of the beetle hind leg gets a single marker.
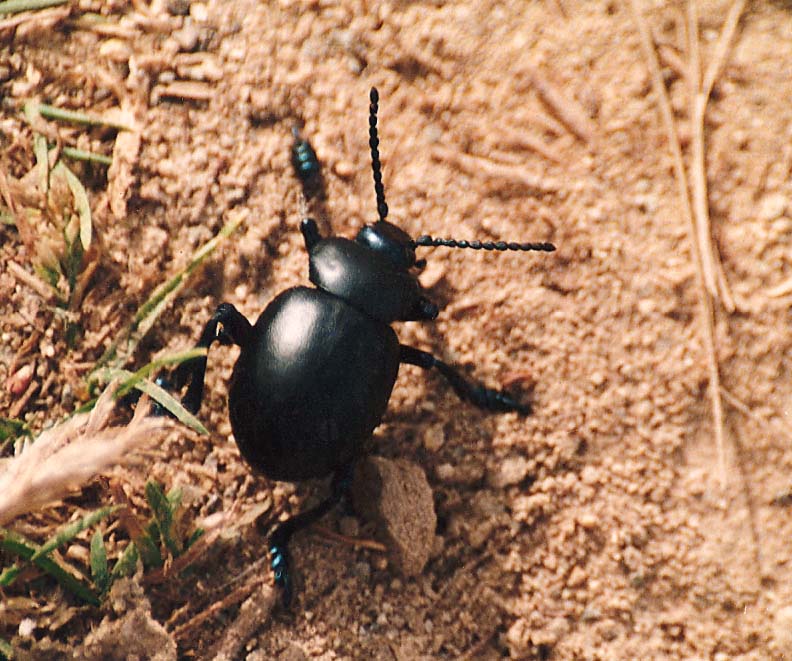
(478, 395)
(278, 544)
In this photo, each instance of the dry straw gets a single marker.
(71, 454)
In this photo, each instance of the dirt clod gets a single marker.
(397, 497)
(135, 634)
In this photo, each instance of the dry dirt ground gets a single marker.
(601, 527)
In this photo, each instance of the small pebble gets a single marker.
(434, 437)
(18, 382)
(512, 470)
(782, 630)
(344, 169)
(577, 577)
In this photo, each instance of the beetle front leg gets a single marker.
(485, 398)
(227, 326)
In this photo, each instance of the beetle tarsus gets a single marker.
(310, 233)
(279, 540)
(478, 395)
(306, 164)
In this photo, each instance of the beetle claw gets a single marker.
(280, 567)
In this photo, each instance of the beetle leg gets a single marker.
(279, 540)
(228, 326)
(310, 233)
(485, 398)
(424, 310)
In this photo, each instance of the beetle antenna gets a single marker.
(432, 242)
(376, 166)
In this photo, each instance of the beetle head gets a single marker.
(389, 241)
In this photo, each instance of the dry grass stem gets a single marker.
(33, 281)
(521, 140)
(781, 290)
(568, 111)
(513, 175)
(185, 89)
(357, 542)
(44, 17)
(722, 47)
(21, 403)
(707, 312)
(776, 425)
(714, 275)
(229, 600)
(252, 616)
(70, 454)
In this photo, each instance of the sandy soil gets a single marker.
(601, 527)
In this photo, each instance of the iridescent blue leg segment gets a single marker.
(279, 540)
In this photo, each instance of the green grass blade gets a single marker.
(16, 6)
(121, 350)
(197, 534)
(148, 547)
(163, 516)
(69, 532)
(175, 498)
(18, 545)
(131, 380)
(81, 202)
(11, 428)
(126, 564)
(99, 573)
(76, 117)
(6, 651)
(82, 155)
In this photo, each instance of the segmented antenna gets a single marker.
(376, 166)
(431, 242)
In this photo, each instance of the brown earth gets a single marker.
(598, 528)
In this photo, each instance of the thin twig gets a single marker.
(16, 6)
(776, 425)
(47, 15)
(714, 274)
(781, 289)
(188, 90)
(253, 614)
(32, 281)
(522, 140)
(357, 542)
(684, 198)
(229, 600)
(722, 47)
(567, 110)
(516, 176)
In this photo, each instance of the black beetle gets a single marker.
(317, 368)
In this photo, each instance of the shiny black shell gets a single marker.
(362, 277)
(311, 385)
